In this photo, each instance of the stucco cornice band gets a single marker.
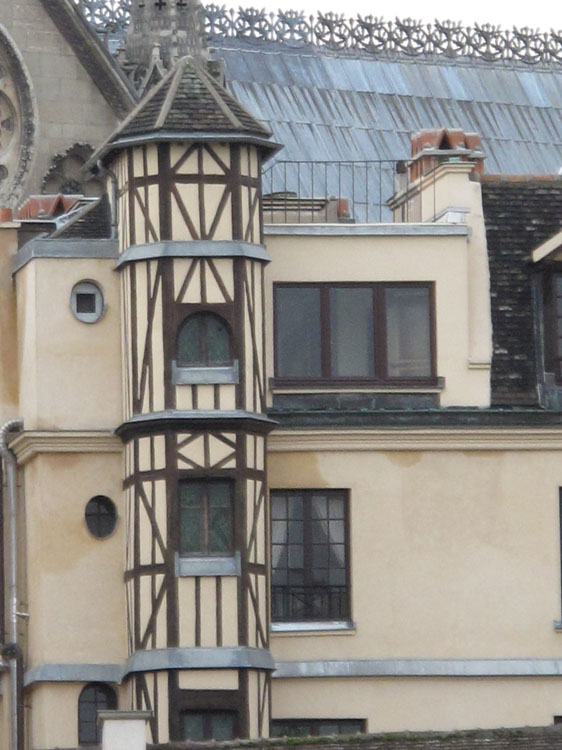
(28, 444)
(201, 419)
(193, 249)
(73, 673)
(368, 230)
(238, 657)
(61, 248)
(406, 439)
(421, 668)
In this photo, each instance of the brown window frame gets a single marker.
(380, 336)
(282, 595)
(205, 549)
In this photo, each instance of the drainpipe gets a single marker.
(11, 650)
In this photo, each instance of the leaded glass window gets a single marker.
(205, 509)
(204, 341)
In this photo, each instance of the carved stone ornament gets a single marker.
(17, 122)
(65, 174)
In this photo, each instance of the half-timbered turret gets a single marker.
(187, 172)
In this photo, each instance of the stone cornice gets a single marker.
(431, 439)
(28, 444)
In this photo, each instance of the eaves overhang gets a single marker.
(104, 152)
(549, 250)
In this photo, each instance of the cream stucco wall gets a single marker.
(440, 259)
(69, 371)
(75, 591)
(454, 553)
(398, 704)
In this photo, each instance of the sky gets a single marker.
(539, 14)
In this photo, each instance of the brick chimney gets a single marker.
(433, 147)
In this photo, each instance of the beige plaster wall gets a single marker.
(76, 595)
(52, 715)
(397, 704)
(454, 554)
(70, 372)
(441, 259)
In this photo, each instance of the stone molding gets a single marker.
(431, 439)
(29, 444)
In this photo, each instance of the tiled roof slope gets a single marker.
(188, 99)
(92, 223)
(341, 106)
(520, 214)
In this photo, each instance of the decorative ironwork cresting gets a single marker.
(368, 34)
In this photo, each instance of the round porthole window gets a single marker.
(86, 302)
(101, 516)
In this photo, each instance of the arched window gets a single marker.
(204, 341)
(94, 697)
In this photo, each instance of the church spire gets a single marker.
(174, 28)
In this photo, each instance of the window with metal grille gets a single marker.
(205, 510)
(309, 555)
(94, 697)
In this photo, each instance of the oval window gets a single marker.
(101, 516)
(86, 302)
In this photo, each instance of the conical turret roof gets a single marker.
(186, 103)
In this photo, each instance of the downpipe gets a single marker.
(11, 650)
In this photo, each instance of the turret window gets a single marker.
(204, 341)
(205, 509)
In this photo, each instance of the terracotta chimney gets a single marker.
(433, 147)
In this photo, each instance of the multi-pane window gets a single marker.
(315, 727)
(205, 511)
(380, 332)
(204, 341)
(208, 725)
(309, 555)
(94, 697)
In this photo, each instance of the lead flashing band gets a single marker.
(193, 249)
(239, 657)
(367, 230)
(207, 566)
(61, 248)
(175, 419)
(73, 673)
(421, 668)
(206, 375)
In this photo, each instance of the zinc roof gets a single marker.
(327, 106)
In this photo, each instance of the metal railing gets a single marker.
(309, 603)
(328, 191)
